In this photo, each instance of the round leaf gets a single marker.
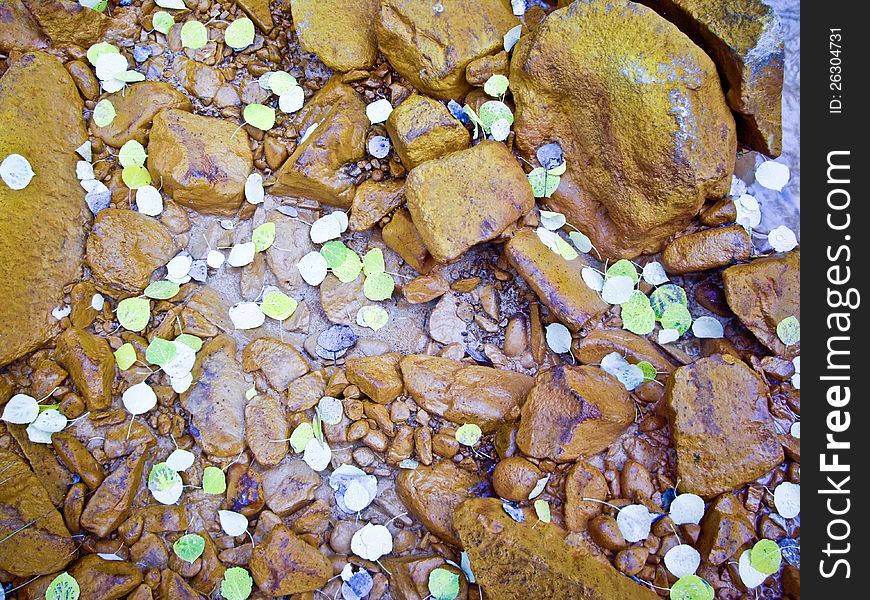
(260, 116)
(165, 484)
(691, 587)
(263, 236)
(676, 316)
(634, 522)
(542, 510)
(134, 313)
(373, 262)
(242, 254)
(654, 273)
(300, 437)
(15, 172)
(617, 290)
(665, 295)
(687, 509)
(189, 547)
(682, 560)
(282, 82)
(160, 351)
(772, 175)
(162, 289)
(330, 410)
(787, 495)
(558, 338)
(236, 584)
(214, 481)
(749, 575)
(139, 399)
(63, 587)
(789, 331)
(379, 286)
(496, 86)
(162, 21)
(317, 454)
(180, 460)
(622, 268)
(135, 177)
(21, 410)
(50, 421)
(379, 110)
(132, 153)
(149, 201)
(247, 315)
(443, 584)
(194, 35)
(125, 356)
(468, 434)
(313, 268)
(233, 523)
(766, 557)
(543, 184)
(782, 239)
(239, 34)
(372, 542)
(278, 305)
(707, 327)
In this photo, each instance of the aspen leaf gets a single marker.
(259, 116)
(239, 34)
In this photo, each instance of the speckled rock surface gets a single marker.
(340, 32)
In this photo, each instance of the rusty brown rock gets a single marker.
(584, 480)
(378, 377)
(402, 236)
(46, 545)
(557, 282)
(84, 78)
(105, 579)
(259, 12)
(425, 288)
(203, 165)
(422, 129)
(514, 561)
(721, 428)
(306, 392)
(514, 478)
(727, 527)
(763, 293)
(77, 458)
(173, 585)
(745, 40)
(481, 69)
(314, 170)
(432, 49)
(67, 23)
(432, 494)
(409, 576)
(89, 361)
(216, 402)
(707, 249)
(373, 200)
(289, 485)
(464, 393)
(719, 213)
(340, 32)
(20, 31)
(573, 412)
(599, 62)
(110, 504)
(279, 361)
(265, 424)
(632, 347)
(136, 106)
(42, 226)
(466, 198)
(245, 491)
(285, 564)
(125, 247)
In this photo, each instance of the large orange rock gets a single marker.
(314, 170)
(720, 425)
(745, 40)
(557, 282)
(136, 106)
(67, 23)
(640, 114)
(464, 393)
(634, 348)
(203, 162)
(378, 377)
(20, 31)
(110, 504)
(422, 128)
(340, 32)
(432, 48)
(466, 198)
(42, 226)
(89, 361)
(707, 249)
(573, 412)
(727, 527)
(285, 564)
(517, 561)
(105, 579)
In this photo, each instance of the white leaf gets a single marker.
(139, 399)
(84, 170)
(795, 430)
(617, 290)
(356, 496)
(292, 101)
(539, 487)
(500, 129)
(254, 192)
(512, 37)
(682, 560)
(654, 273)
(106, 556)
(372, 542)
(171, 494)
(782, 239)
(180, 460)
(61, 311)
(738, 187)
(518, 7)
(787, 499)
(627, 374)
(558, 338)
(179, 266)
(592, 278)
(346, 572)
(112, 85)
(172, 4)
(148, 201)
(330, 410)
(181, 384)
(242, 254)
(247, 315)
(772, 175)
(233, 523)
(93, 186)
(341, 217)
(215, 259)
(581, 241)
(85, 151)
(666, 336)
(327, 227)
(317, 454)
(707, 327)
(182, 362)
(379, 110)
(15, 171)
(97, 302)
(634, 522)
(50, 421)
(305, 134)
(178, 280)
(313, 268)
(748, 211)
(110, 65)
(751, 577)
(552, 220)
(38, 436)
(687, 509)
(21, 410)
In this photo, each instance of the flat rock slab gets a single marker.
(136, 106)
(340, 32)
(721, 428)
(707, 249)
(42, 226)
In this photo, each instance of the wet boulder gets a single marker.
(42, 226)
(136, 106)
(89, 361)
(634, 348)
(340, 32)
(105, 579)
(336, 123)
(432, 48)
(462, 392)
(514, 478)
(259, 12)
(285, 564)
(125, 247)
(20, 30)
(639, 112)
(378, 377)
(67, 23)
(707, 249)
(265, 424)
(721, 428)
(745, 40)
(422, 128)
(279, 361)
(556, 281)
(727, 527)
(764, 292)
(216, 402)
(573, 412)
(110, 504)
(466, 198)
(203, 161)
(516, 561)
(289, 485)
(373, 200)
(584, 480)
(409, 576)
(46, 545)
(432, 494)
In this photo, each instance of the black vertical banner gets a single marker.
(835, 245)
